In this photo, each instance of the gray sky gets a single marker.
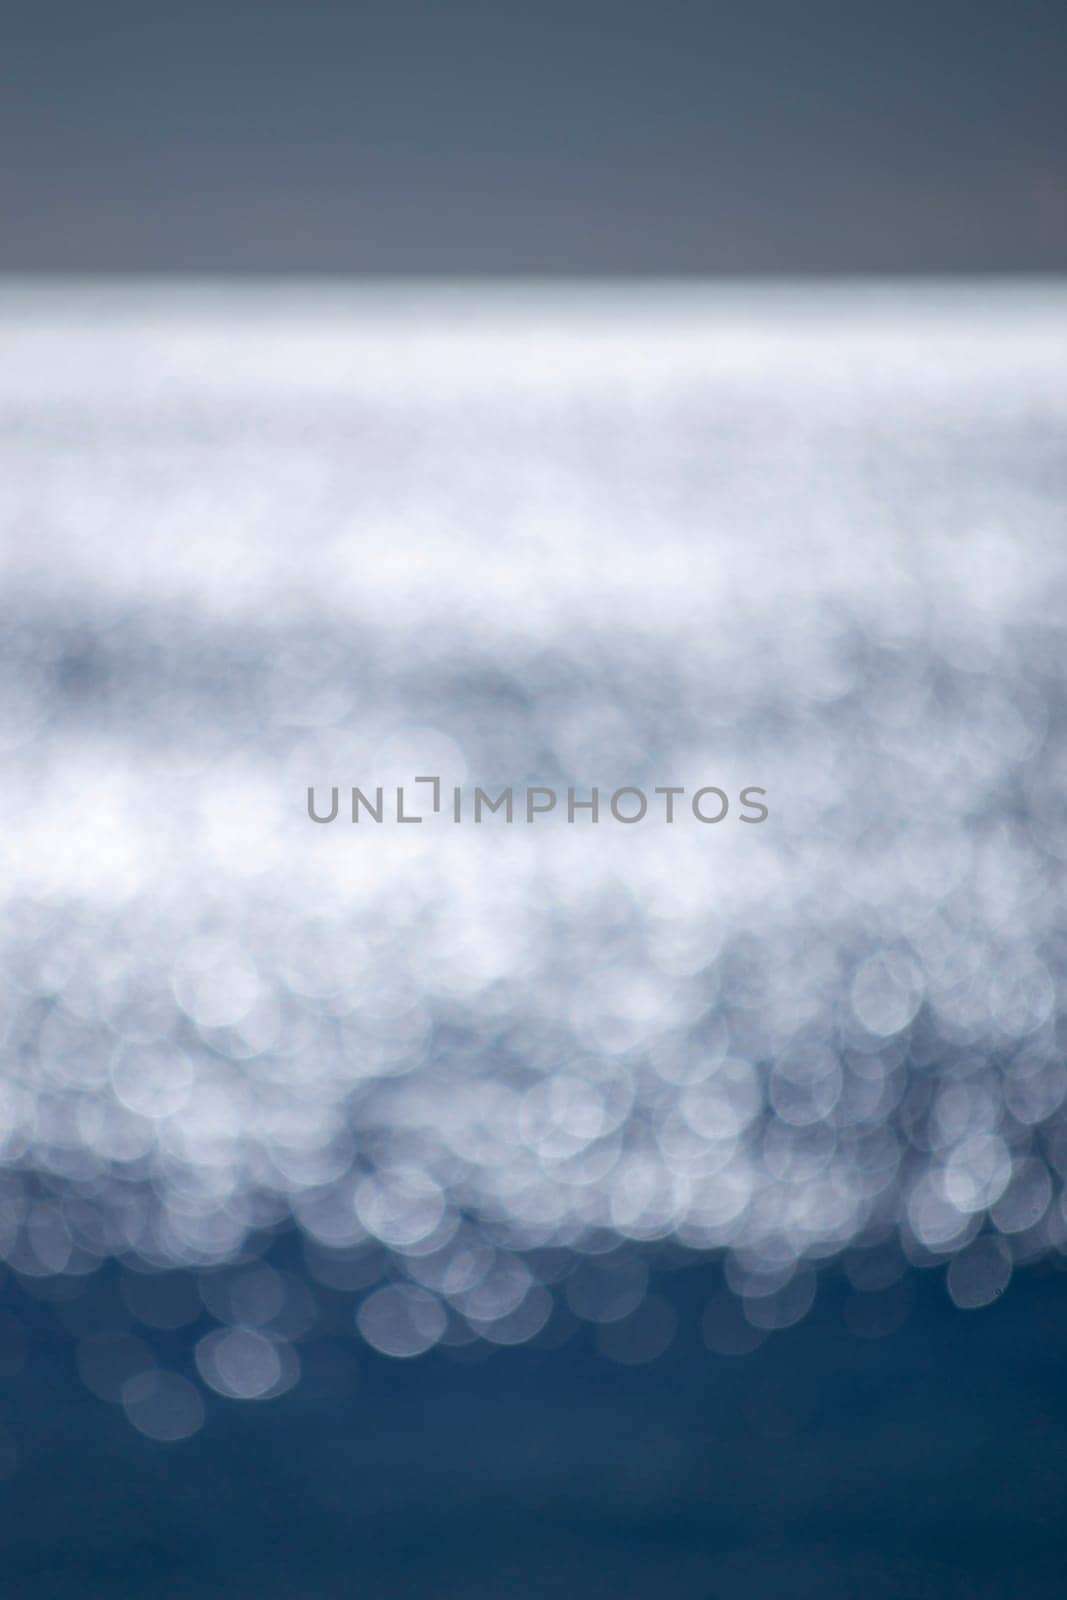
(611, 136)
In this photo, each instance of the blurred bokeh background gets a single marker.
(601, 396)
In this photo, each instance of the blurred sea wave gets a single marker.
(493, 1079)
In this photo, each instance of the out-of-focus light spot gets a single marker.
(250, 1296)
(107, 1360)
(782, 1307)
(977, 1172)
(521, 1324)
(723, 1103)
(245, 1365)
(979, 1274)
(886, 993)
(163, 1406)
(1026, 1198)
(877, 1267)
(607, 1290)
(401, 1208)
(498, 1292)
(152, 1080)
(641, 1337)
(1022, 996)
(401, 1321)
(215, 983)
